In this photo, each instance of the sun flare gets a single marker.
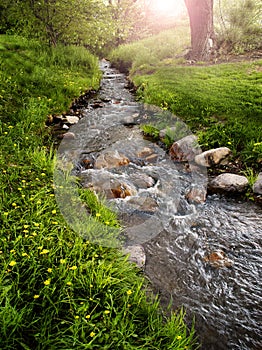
(169, 7)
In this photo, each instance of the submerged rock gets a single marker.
(111, 159)
(218, 259)
(196, 195)
(213, 157)
(145, 205)
(141, 180)
(229, 183)
(123, 190)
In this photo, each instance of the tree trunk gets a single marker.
(202, 29)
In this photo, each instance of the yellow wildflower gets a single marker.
(178, 337)
(73, 268)
(36, 296)
(88, 316)
(44, 251)
(12, 263)
(92, 334)
(129, 292)
(47, 282)
(49, 270)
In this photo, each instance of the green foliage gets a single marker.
(99, 208)
(146, 54)
(150, 130)
(97, 25)
(238, 25)
(57, 290)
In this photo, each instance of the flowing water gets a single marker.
(179, 238)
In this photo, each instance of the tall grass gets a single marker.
(146, 54)
(57, 290)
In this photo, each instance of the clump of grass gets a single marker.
(99, 208)
(150, 130)
(58, 290)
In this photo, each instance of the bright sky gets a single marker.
(169, 7)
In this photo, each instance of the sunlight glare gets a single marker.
(169, 7)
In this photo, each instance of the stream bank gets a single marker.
(206, 256)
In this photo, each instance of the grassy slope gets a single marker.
(221, 103)
(58, 291)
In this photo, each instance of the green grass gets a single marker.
(58, 290)
(221, 103)
(145, 55)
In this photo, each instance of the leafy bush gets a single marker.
(238, 25)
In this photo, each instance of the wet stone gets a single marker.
(218, 259)
(145, 205)
(145, 152)
(111, 159)
(185, 149)
(228, 182)
(109, 187)
(213, 157)
(68, 135)
(141, 180)
(87, 163)
(70, 119)
(196, 195)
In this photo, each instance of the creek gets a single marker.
(178, 237)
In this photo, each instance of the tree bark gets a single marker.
(202, 29)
